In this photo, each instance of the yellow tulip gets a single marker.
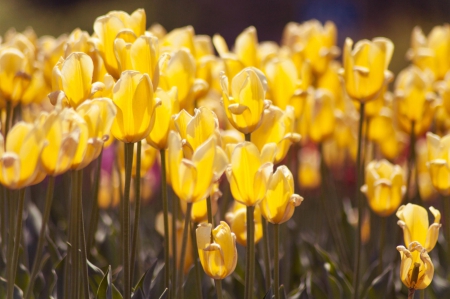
(431, 52)
(195, 130)
(99, 115)
(37, 91)
(238, 223)
(414, 222)
(15, 74)
(20, 157)
(192, 179)
(246, 103)
(249, 173)
(309, 170)
(365, 67)
(415, 99)
(108, 27)
(438, 162)
(178, 70)
(426, 190)
(318, 120)
(384, 187)
(163, 118)
(443, 87)
(148, 157)
(416, 268)
(134, 98)
(280, 201)
(219, 255)
(283, 81)
(72, 80)
(51, 50)
(63, 137)
(139, 54)
(199, 211)
(179, 38)
(277, 127)
(331, 81)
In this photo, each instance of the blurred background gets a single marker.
(394, 19)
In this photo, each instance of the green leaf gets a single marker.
(22, 277)
(381, 286)
(95, 276)
(157, 287)
(106, 289)
(17, 294)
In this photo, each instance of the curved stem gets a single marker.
(18, 235)
(218, 283)
(126, 219)
(359, 202)
(265, 246)
(179, 293)
(276, 266)
(250, 262)
(166, 223)
(93, 222)
(40, 246)
(137, 209)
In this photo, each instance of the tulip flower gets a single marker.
(179, 38)
(108, 27)
(426, 189)
(431, 52)
(331, 81)
(15, 72)
(20, 157)
(415, 99)
(416, 268)
(135, 102)
(277, 127)
(280, 201)
(414, 222)
(365, 67)
(218, 255)
(309, 170)
(99, 115)
(249, 173)
(384, 187)
(245, 105)
(438, 162)
(72, 80)
(192, 179)
(237, 218)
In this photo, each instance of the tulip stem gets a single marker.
(9, 197)
(179, 293)
(411, 159)
(15, 252)
(8, 118)
(166, 227)
(93, 222)
(198, 274)
(411, 293)
(137, 209)
(82, 235)
(248, 137)
(174, 243)
(129, 149)
(3, 217)
(218, 283)
(276, 266)
(75, 237)
(266, 252)
(447, 223)
(209, 210)
(40, 246)
(359, 203)
(250, 253)
(382, 242)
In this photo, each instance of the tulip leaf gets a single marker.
(157, 285)
(17, 293)
(95, 276)
(145, 281)
(138, 294)
(190, 285)
(259, 273)
(165, 294)
(59, 268)
(106, 289)
(22, 277)
(53, 251)
(381, 286)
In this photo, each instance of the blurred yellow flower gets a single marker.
(365, 67)
(238, 223)
(438, 162)
(414, 222)
(245, 105)
(219, 255)
(283, 81)
(135, 103)
(199, 211)
(416, 268)
(15, 74)
(384, 187)
(309, 170)
(426, 189)
(280, 201)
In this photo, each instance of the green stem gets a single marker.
(40, 246)
(276, 262)
(411, 293)
(126, 219)
(265, 246)
(93, 222)
(174, 245)
(447, 223)
(198, 274)
(179, 293)
(411, 159)
(250, 261)
(137, 209)
(218, 283)
(166, 224)
(84, 266)
(209, 210)
(382, 242)
(68, 258)
(3, 217)
(18, 235)
(75, 237)
(10, 199)
(8, 119)
(360, 203)
(248, 137)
